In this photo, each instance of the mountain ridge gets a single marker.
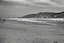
(45, 15)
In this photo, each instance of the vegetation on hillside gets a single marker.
(45, 15)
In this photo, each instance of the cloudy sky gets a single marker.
(10, 8)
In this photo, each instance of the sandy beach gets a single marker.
(17, 32)
(25, 32)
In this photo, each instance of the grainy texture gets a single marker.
(14, 32)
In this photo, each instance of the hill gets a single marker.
(45, 15)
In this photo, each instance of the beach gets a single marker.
(18, 32)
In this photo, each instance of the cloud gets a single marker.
(41, 3)
(14, 0)
(47, 2)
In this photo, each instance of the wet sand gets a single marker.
(17, 32)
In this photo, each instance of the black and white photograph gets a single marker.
(31, 21)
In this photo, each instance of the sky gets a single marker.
(17, 8)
